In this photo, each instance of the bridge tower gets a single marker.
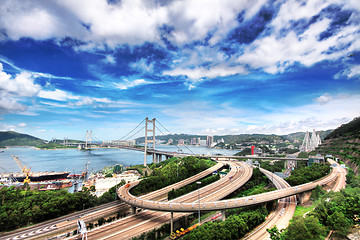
(146, 137)
(88, 139)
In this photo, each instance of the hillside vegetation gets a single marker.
(10, 138)
(344, 143)
(171, 171)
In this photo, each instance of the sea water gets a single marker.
(74, 160)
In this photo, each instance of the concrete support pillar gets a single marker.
(172, 222)
(285, 164)
(304, 197)
(223, 217)
(133, 210)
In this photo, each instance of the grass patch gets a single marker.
(301, 210)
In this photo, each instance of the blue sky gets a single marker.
(211, 67)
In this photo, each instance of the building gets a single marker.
(203, 143)
(209, 141)
(126, 143)
(195, 141)
(316, 159)
(102, 184)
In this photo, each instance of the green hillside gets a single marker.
(344, 143)
(10, 138)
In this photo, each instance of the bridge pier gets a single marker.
(223, 217)
(304, 197)
(133, 210)
(172, 222)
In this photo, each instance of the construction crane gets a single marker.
(24, 169)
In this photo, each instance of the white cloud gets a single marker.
(320, 116)
(199, 73)
(203, 118)
(110, 59)
(90, 101)
(21, 85)
(129, 84)
(353, 71)
(14, 89)
(143, 66)
(22, 124)
(57, 94)
(284, 46)
(193, 20)
(71, 100)
(6, 127)
(133, 22)
(323, 99)
(9, 103)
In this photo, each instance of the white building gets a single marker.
(203, 143)
(102, 185)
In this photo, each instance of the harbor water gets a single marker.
(74, 160)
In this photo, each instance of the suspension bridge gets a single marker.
(149, 127)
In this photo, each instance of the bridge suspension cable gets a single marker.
(123, 138)
(134, 134)
(172, 134)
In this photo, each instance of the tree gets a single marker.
(338, 221)
(275, 233)
(305, 228)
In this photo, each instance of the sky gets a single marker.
(209, 67)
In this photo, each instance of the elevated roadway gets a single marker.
(224, 204)
(287, 206)
(176, 154)
(92, 214)
(280, 216)
(147, 220)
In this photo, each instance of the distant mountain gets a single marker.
(240, 138)
(10, 138)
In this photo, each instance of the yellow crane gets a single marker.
(24, 169)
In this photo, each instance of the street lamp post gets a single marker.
(198, 183)
(272, 173)
(115, 186)
(177, 168)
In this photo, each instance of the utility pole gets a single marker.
(198, 183)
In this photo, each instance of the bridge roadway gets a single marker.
(91, 214)
(224, 204)
(132, 226)
(176, 154)
(280, 216)
(286, 207)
